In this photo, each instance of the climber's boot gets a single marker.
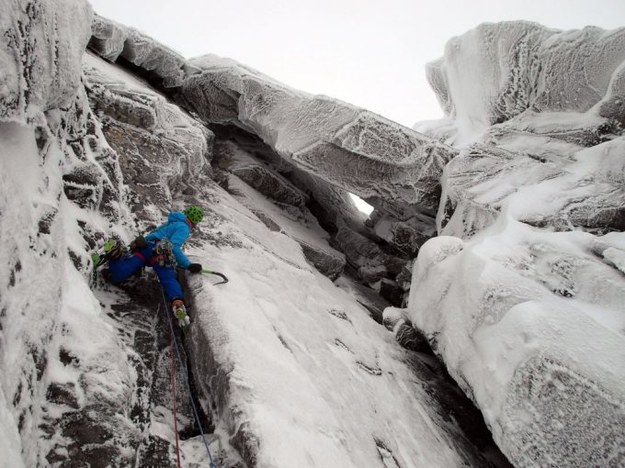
(180, 312)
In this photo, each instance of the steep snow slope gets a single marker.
(302, 374)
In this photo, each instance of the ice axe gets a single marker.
(216, 273)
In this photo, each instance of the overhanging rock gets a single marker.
(343, 144)
(111, 40)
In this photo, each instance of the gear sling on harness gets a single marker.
(155, 254)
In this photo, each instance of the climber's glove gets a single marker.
(195, 268)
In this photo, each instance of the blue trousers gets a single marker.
(124, 268)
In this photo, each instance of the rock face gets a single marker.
(86, 368)
(497, 71)
(160, 147)
(37, 73)
(523, 304)
(324, 147)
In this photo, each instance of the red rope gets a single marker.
(173, 391)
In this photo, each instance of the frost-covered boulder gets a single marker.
(498, 70)
(397, 321)
(374, 265)
(407, 236)
(531, 324)
(347, 146)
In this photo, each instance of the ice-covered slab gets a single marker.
(283, 211)
(345, 145)
(531, 324)
(299, 373)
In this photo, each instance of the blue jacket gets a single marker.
(177, 231)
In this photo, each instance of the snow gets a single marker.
(310, 374)
(10, 442)
(489, 303)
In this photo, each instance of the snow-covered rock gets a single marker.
(160, 147)
(107, 38)
(612, 106)
(407, 236)
(530, 320)
(540, 186)
(111, 40)
(374, 265)
(260, 176)
(67, 379)
(532, 325)
(37, 73)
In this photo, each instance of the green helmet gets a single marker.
(194, 213)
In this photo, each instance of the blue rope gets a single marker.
(185, 373)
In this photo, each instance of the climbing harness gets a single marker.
(216, 273)
(185, 374)
(164, 254)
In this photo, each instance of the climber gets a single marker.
(162, 250)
